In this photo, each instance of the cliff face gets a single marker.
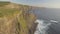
(16, 19)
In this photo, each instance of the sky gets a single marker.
(4, 0)
(39, 3)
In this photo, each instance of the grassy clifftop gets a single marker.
(16, 19)
(3, 3)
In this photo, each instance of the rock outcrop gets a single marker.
(16, 19)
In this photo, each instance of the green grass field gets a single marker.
(4, 3)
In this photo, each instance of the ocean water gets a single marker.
(48, 20)
(43, 26)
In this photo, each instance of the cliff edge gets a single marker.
(16, 19)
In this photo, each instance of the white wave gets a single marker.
(41, 27)
(53, 21)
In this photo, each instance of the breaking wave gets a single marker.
(42, 27)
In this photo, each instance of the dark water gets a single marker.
(48, 14)
(54, 29)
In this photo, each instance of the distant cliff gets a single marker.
(16, 19)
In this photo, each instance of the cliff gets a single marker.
(16, 19)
